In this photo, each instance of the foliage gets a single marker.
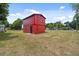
(75, 7)
(17, 24)
(50, 25)
(4, 13)
(68, 25)
(5, 22)
(57, 25)
(73, 24)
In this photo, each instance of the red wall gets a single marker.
(37, 22)
(27, 23)
(38, 28)
(26, 28)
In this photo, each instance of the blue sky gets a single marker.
(52, 11)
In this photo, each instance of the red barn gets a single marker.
(34, 23)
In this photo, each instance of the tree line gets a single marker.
(63, 26)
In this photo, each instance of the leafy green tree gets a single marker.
(4, 13)
(67, 25)
(56, 25)
(50, 25)
(17, 24)
(73, 24)
(59, 25)
(75, 7)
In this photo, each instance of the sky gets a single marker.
(52, 11)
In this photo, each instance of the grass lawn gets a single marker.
(49, 43)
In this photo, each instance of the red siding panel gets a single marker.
(26, 28)
(27, 23)
(34, 29)
(34, 24)
(39, 20)
(41, 28)
(38, 29)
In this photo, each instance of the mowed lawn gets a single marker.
(51, 42)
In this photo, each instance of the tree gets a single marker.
(5, 22)
(75, 7)
(50, 25)
(73, 24)
(57, 25)
(67, 25)
(4, 12)
(17, 24)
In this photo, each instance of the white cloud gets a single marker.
(71, 16)
(12, 17)
(32, 11)
(59, 18)
(62, 7)
(26, 9)
(11, 14)
(25, 13)
(15, 14)
(18, 14)
(62, 18)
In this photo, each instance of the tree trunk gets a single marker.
(77, 25)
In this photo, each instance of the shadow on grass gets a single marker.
(7, 36)
(39, 33)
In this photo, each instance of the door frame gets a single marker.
(30, 28)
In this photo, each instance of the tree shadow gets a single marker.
(7, 36)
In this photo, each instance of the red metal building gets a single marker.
(34, 23)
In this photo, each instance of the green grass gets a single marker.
(44, 44)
